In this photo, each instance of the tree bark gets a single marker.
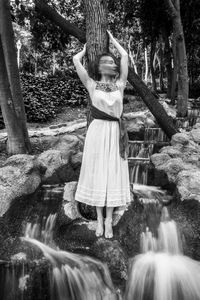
(96, 13)
(173, 7)
(15, 142)
(168, 63)
(19, 143)
(174, 72)
(152, 54)
(161, 65)
(146, 65)
(154, 106)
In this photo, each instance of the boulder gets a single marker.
(188, 184)
(135, 121)
(62, 160)
(180, 138)
(20, 176)
(171, 151)
(58, 166)
(110, 252)
(158, 159)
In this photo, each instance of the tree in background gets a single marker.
(180, 57)
(10, 91)
(69, 28)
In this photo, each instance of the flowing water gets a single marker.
(162, 272)
(72, 276)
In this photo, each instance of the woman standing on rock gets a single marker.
(104, 176)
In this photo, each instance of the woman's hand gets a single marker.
(110, 35)
(81, 53)
(124, 57)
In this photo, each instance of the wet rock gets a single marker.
(187, 216)
(20, 176)
(110, 252)
(88, 211)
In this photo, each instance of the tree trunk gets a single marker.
(174, 73)
(146, 65)
(96, 25)
(152, 54)
(161, 75)
(154, 106)
(15, 142)
(9, 55)
(183, 82)
(168, 64)
(131, 56)
(178, 35)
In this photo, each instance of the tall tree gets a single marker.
(96, 46)
(11, 100)
(173, 8)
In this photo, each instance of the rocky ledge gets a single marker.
(181, 163)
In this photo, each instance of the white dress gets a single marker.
(104, 175)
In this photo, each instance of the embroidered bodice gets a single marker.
(106, 87)
(107, 97)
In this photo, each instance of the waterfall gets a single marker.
(161, 272)
(73, 276)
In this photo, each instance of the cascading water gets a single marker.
(139, 162)
(73, 276)
(161, 272)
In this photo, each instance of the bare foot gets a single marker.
(99, 229)
(108, 228)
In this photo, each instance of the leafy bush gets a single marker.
(44, 97)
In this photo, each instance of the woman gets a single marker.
(104, 177)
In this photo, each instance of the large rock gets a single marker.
(19, 177)
(181, 163)
(188, 184)
(110, 252)
(62, 160)
(69, 210)
(180, 138)
(135, 121)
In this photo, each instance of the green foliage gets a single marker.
(45, 97)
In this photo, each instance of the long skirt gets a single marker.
(104, 175)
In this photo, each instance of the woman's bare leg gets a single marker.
(108, 222)
(100, 221)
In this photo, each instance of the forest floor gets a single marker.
(68, 115)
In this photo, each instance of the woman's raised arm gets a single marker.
(81, 71)
(124, 58)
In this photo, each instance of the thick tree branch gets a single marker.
(154, 106)
(56, 18)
